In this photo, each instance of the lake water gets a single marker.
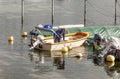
(17, 62)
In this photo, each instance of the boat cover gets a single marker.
(104, 31)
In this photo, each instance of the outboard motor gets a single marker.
(39, 40)
(112, 45)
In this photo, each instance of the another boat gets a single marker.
(75, 39)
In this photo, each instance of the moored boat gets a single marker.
(75, 39)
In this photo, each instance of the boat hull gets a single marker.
(59, 46)
(73, 40)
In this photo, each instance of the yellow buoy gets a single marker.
(64, 50)
(110, 58)
(10, 38)
(69, 48)
(79, 55)
(24, 34)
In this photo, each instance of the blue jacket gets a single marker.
(59, 33)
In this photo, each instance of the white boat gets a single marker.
(73, 39)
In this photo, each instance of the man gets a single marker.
(59, 33)
(96, 41)
(97, 38)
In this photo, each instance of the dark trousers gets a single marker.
(57, 39)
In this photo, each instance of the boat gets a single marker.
(75, 39)
(106, 49)
(111, 47)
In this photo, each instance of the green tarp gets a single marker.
(104, 31)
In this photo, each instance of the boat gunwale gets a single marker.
(68, 41)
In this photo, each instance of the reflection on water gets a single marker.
(45, 62)
(56, 58)
(59, 62)
(111, 68)
(41, 61)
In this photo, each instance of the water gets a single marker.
(17, 62)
